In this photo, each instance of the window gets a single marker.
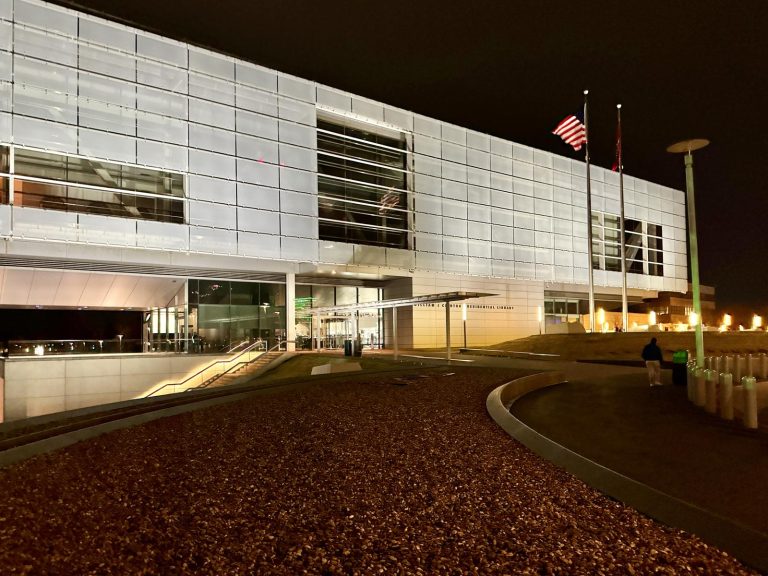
(362, 185)
(560, 310)
(5, 168)
(74, 184)
(643, 247)
(606, 242)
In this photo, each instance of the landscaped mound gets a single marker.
(627, 345)
(373, 474)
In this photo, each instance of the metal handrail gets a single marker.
(237, 367)
(199, 372)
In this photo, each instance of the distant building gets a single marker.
(674, 307)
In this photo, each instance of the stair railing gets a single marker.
(238, 366)
(218, 368)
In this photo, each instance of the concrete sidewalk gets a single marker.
(657, 437)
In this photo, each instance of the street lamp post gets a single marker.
(687, 147)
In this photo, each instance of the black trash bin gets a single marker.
(347, 347)
(680, 367)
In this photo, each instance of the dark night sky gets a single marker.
(515, 68)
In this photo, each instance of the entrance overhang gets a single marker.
(395, 303)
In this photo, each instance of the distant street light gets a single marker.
(686, 147)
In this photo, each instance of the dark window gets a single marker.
(643, 245)
(5, 168)
(633, 226)
(362, 186)
(654, 230)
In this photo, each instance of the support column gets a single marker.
(290, 312)
(394, 331)
(186, 320)
(448, 331)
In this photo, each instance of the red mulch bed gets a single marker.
(375, 474)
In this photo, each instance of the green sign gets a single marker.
(680, 356)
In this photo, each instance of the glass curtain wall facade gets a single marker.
(335, 329)
(225, 315)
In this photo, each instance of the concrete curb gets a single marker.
(743, 542)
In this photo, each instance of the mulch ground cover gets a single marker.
(388, 474)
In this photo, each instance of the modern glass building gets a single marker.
(222, 200)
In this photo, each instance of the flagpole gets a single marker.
(589, 220)
(624, 308)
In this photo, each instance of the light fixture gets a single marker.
(651, 318)
(757, 322)
(693, 319)
(727, 320)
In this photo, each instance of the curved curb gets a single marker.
(748, 545)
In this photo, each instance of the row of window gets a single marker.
(363, 182)
(75, 184)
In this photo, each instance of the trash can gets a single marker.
(679, 367)
(359, 347)
(347, 347)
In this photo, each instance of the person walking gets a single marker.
(652, 356)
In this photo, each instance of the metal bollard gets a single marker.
(710, 402)
(691, 381)
(750, 402)
(728, 367)
(707, 362)
(718, 364)
(700, 396)
(739, 366)
(726, 396)
(750, 369)
(763, 366)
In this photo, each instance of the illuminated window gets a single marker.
(74, 184)
(362, 185)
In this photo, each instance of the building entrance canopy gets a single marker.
(395, 303)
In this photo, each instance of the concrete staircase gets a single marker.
(244, 371)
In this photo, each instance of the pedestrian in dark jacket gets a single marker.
(652, 356)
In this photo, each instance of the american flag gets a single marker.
(572, 131)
